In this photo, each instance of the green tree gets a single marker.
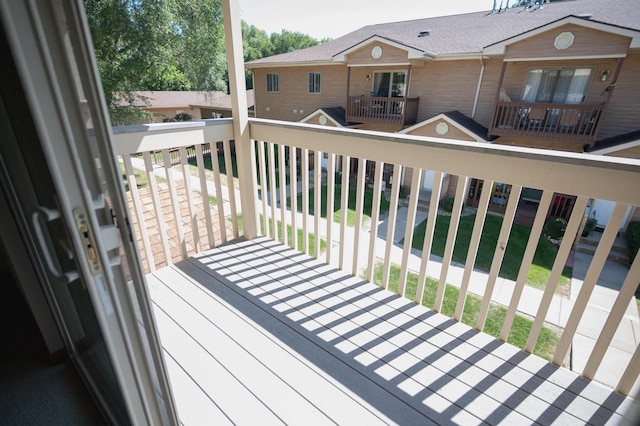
(155, 45)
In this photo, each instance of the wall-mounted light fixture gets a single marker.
(604, 75)
(368, 77)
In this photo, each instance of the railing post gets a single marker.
(245, 154)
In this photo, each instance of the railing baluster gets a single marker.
(331, 183)
(630, 375)
(188, 192)
(232, 192)
(616, 314)
(317, 197)
(344, 206)
(264, 189)
(293, 194)
(362, 168)
(304, 176)
(204, 191)
(215, 164)
(157, 206)
(137, 206)
(391, 227)
(498, 256)
(283, 192)
(474, 244)
(174, 201)
(375, 217)
(595, 268)
(408, 235)
(451, 239)
(527, 260)
(428, 235)
(573, 229)
(272, 189)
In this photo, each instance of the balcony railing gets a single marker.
(381, 110)
(180, 220)
(575, 123)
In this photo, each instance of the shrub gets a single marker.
(554, 229)
(404, 191)
(633, 239)
(589, 226)
(447, 204)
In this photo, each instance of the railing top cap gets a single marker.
(163, 127)
(505, 151)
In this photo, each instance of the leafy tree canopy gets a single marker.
(156, 45)
(257, 44)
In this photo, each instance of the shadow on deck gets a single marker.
(256, 331)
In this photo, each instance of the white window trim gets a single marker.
(277, 79)
(319, 82)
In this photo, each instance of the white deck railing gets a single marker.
(582, 175)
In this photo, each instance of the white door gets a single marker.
(602, 209)
(60, 177)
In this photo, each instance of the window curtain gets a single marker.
(532, 85)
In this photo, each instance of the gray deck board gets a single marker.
(266, 334)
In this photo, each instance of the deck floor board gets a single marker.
(271, 335)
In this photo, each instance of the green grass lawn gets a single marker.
(542, 260)
(311, 240)
(351, 211)
(547, 342)
(140, 175)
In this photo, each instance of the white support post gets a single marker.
(244, 148)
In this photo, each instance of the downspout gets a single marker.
(475, 101)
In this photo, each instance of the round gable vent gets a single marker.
(564, 40)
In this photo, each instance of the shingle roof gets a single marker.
(615, 141)
(468, 33)
(178, 99)
(470, 124)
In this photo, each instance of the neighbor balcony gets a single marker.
(566, 122)
(393, 111)
(285, 325)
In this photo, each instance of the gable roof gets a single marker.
(335, 114)
(466, 34)
(616, 143)
(459, 120)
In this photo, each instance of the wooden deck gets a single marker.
(256, 333)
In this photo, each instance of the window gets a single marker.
(565, 85)
(272, 82)
(389, 84)
(314, 82)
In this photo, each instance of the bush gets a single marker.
(554, 229)
(447, 204)
(589, 226)
(404, 191)
(633, 239)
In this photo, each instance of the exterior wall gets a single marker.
(516, 73)
(293, 94)
(444, 86)
(315, 120)
(623, 115)
(488, 91)
(162, 113)
(587, 42)
(358, 84)
(390, 55)
(430, 130)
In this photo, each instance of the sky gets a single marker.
(335, 18)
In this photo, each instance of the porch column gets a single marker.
(245, 150)
(495, 102)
